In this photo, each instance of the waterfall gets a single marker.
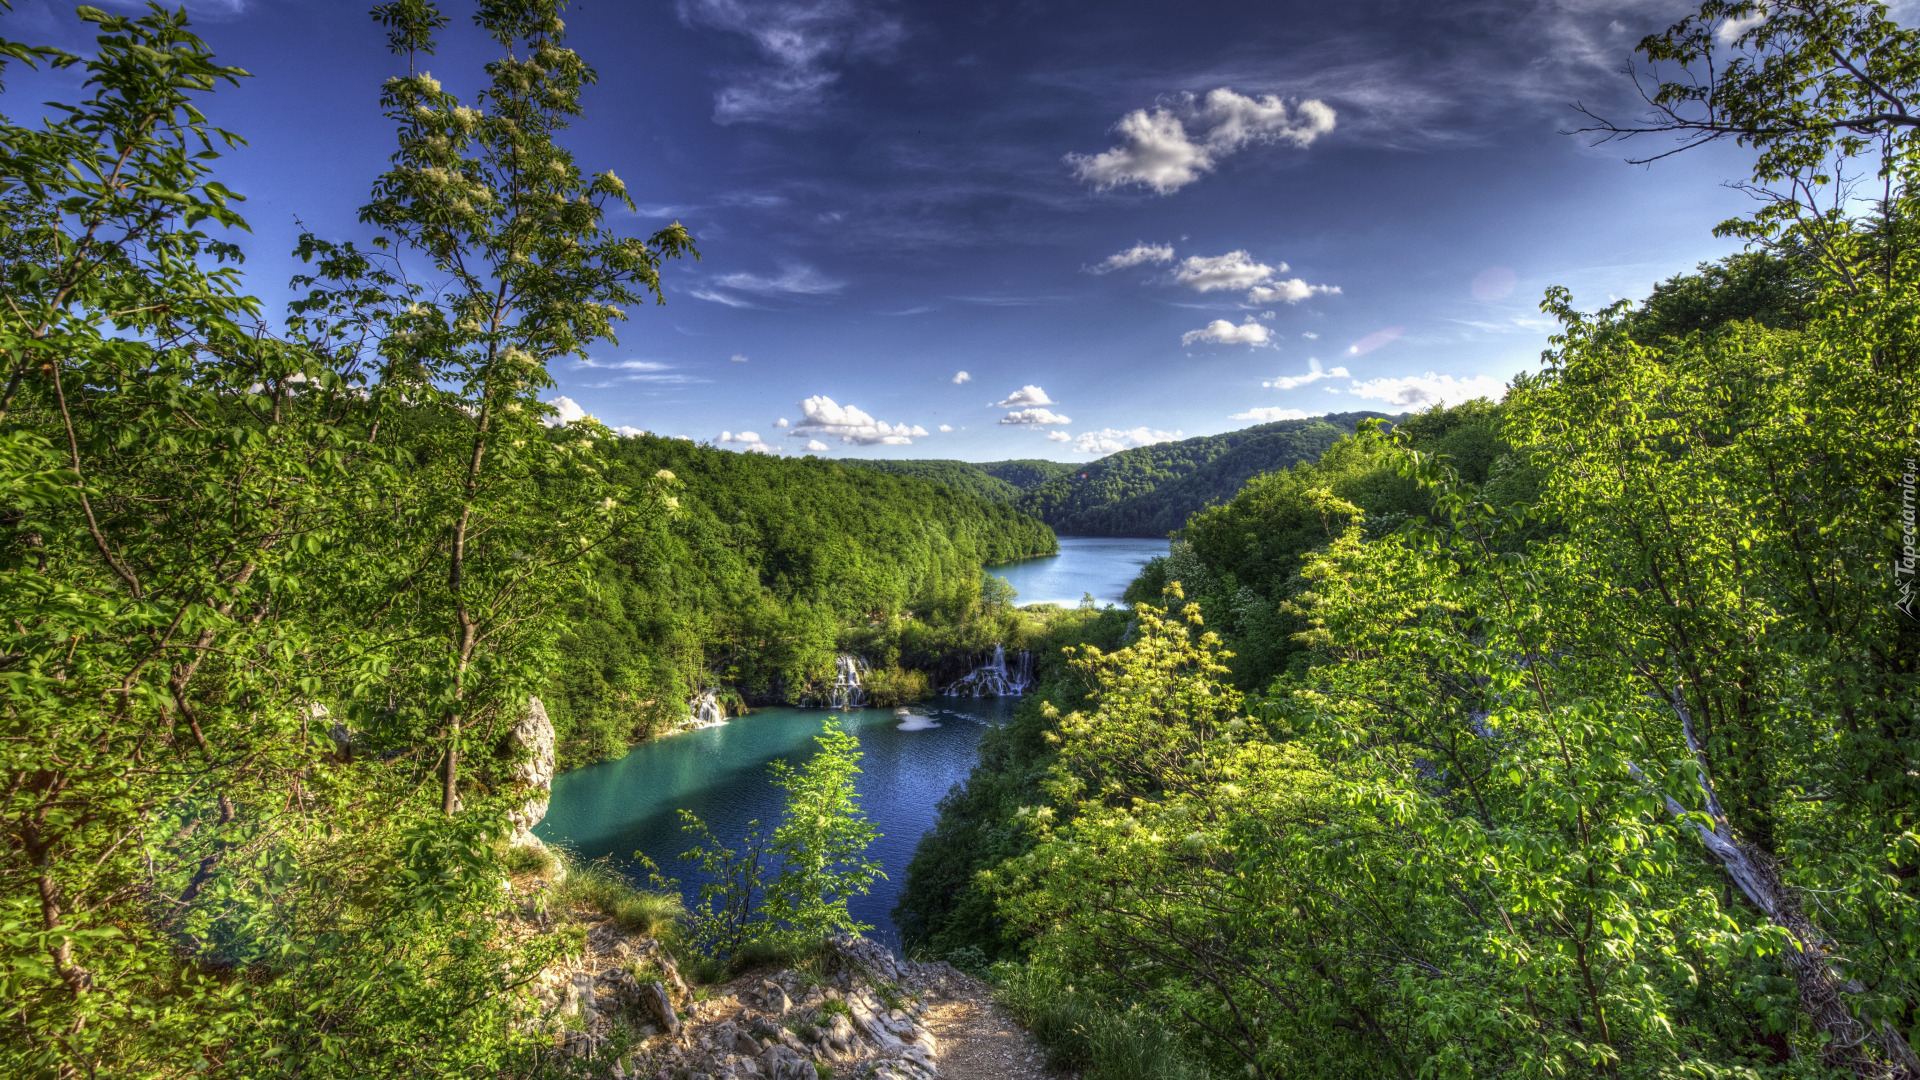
(992, 679)
(846, 692)
(704, 712)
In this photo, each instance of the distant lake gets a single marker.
(1101, 565)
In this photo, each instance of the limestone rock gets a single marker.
(531, 744)
(653, 997)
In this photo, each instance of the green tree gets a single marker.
(817, 854)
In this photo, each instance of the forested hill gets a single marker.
(1152, 490)
(1001, 481)
(750, 584)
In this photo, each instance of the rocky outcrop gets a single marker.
(530, 744)
(861, 1012)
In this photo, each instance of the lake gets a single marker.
(616, 808)
(1101, 565)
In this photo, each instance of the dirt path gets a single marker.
(979, 1041)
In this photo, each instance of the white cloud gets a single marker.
(960, 377)
(1314, 374)
(793, 280)
(780, 423)
(749, 440)
(1290, 291)
(1112, 440)
(1310, 335)
(566, 411)
(621, 365)
(1026, 395)
(738, 358)
(1267, 415)
(1731, 30)
(946, 427)
(1417, 391)
(627, 432)
(797, 41)
(1222, 332)
(815, 446)
(821, 415)
(1035, 416)
(1173, 146)
(1059, 436)
(1234, 270)
(1133, 256)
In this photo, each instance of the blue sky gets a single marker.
(1123, 221)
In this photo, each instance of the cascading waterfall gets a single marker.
(992, 679)
(705, 712)
(846, 692)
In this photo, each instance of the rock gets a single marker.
(531, 744)
(781, 1063)
(654, 999)
(744, 1043)
(869, 955)
(777, 1001)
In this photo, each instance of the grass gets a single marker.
(599, 886)
(834, 1007)
(1083, 1036)
(518, 861)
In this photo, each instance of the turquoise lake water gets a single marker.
(1100, 565)
(620, 807)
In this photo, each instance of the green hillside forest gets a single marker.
(1001, 481)
(766, 571)
(1147, 491)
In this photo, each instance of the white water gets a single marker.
(993, 679)
(704, 712)
(845, 692)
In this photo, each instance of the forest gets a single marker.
(1001, 481)
(1151, 490)
(767, 570)
(1572, 734)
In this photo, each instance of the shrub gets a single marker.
(1088, 1036)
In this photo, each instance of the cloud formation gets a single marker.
(815, 446)
(1059, 436)
(1133, 256)
(1026, 395)
(946, 427)
(1268, 414)
(960, 377)
(566, 411)
(627, 431)
(1419, 391)
(799, 42)
(1113, 440)
(1314, 374)
(1174, 145)
(793, 280)
(1222, 332)
(738, 358)
(821, 415)
(748, 440)
(1035, 416)
(1234, 270)
(1290, 291)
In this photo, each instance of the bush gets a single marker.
(599, 886)
(896, 686)
(525, 860)
(1088, 1036)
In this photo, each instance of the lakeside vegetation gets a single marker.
(766, 571)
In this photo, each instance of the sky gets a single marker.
(1013, 228)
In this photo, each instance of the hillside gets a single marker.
(1152, 490)
(751, 584)
(1001, 481)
